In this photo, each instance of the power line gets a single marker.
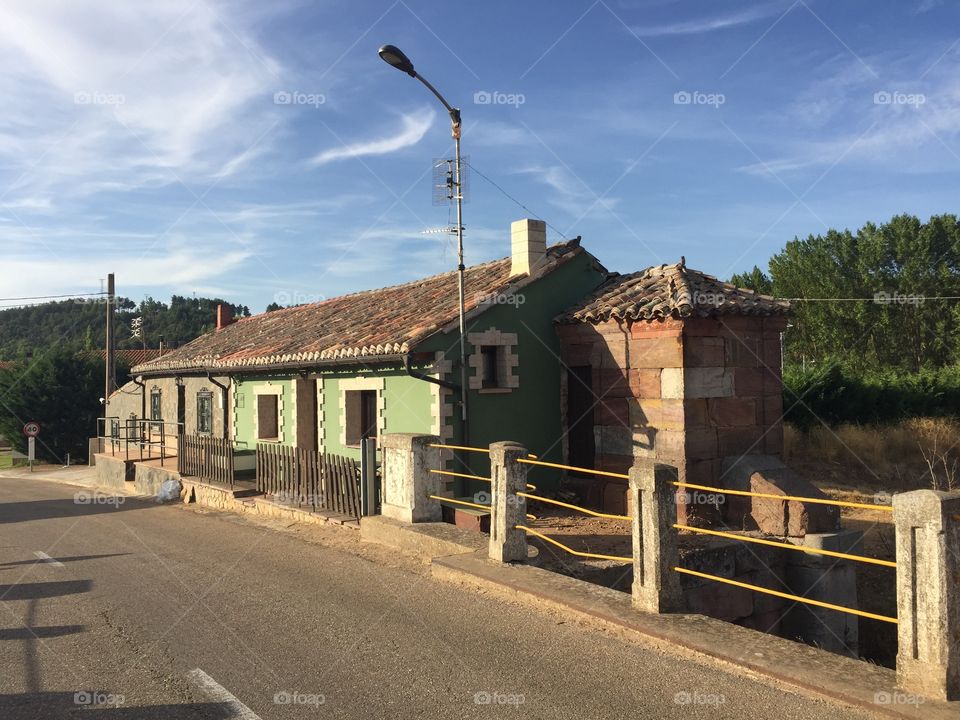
(511, 197)
(50, 297)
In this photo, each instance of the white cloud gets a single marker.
(120, 96)
(570, 194)
(720, 22)
(413, 127)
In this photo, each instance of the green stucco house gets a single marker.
(324, 375)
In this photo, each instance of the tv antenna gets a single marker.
(444, 180)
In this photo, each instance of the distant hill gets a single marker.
(79, 323)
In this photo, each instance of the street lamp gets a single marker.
(394, 56)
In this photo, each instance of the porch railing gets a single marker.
(304, 478)
(207, 458)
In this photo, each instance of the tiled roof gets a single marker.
(670, 291)
(134, 356)
(369, 324)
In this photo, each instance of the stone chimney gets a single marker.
(528, 246)
(224, 315)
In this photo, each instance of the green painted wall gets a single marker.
(245, 409)
(407, 404)
(529, 414)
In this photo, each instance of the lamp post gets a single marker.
(394, 56)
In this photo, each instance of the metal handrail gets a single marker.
(817, 501)
(787, 596)
(789, 546)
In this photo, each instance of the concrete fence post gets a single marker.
(656, 585)
(928, 593)
(507, 544)
(407, 480)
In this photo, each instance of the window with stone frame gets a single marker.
(494, 361)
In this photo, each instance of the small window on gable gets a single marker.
(490, 362)
(204, 412)
(361, 415)
(268, 419)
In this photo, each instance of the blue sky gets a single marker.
(152, 140)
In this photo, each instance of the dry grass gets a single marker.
(916, 453)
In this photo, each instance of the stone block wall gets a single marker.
(685, 392)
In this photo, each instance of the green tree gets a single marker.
(756, 279)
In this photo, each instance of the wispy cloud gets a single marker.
(413, 126)
(711, 24)
(569, 193)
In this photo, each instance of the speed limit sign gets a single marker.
(31, 429)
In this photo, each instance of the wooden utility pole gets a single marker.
(109, 358)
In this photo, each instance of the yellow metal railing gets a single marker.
(459, 447)
(578, 553)
(788, 546)
(541, 463)
(441, 498)
(787, 596)
(573, 507)
(817, 501)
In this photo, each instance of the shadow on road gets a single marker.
(81, 704)
(84, 503)
(38, 590)
(72, 558)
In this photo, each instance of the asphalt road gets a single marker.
(136, 610)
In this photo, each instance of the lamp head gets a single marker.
(392, 55)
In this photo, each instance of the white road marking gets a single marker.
(215, 691)
(47, 559)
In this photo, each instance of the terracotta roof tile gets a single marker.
(670, 291)
(382, 322)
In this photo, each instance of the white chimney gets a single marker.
(528, 246)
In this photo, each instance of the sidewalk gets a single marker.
(82, 475)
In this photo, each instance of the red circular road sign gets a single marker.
(31, 429)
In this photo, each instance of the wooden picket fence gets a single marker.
(308, 479)
(207, 458)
